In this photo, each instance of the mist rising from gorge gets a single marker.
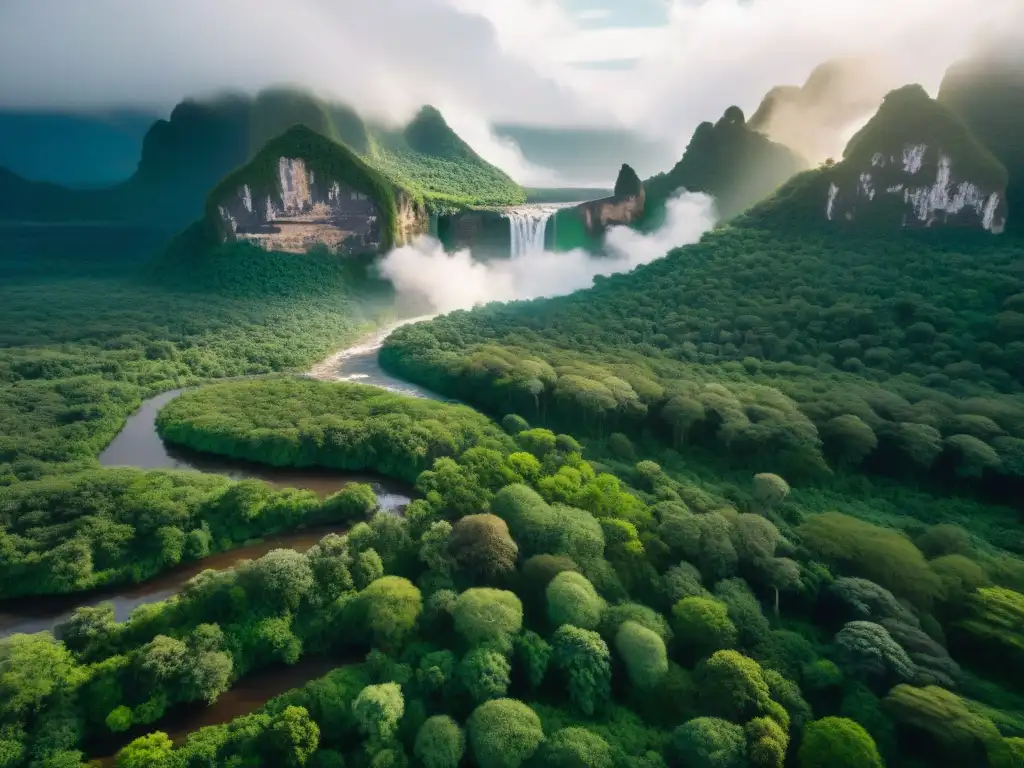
(424, 272)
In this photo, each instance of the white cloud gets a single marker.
(480, 60)
(593, 14)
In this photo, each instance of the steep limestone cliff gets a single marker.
(303, 190)
(916, 165)
(987, 93)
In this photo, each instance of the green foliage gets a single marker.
(484, 674)
(392, 605)
(429, 158)
(575, 747)
(488, 616)
(702, 626)
(534, 654)
(514, 424)
(504, 733)
(616, 615)
(305, 422)
(960, 735)
(879, 554)
(572, 599)
(378, 710)
(643, 652)
(440, 743)
(152, 751)
(585, 662)
(867, 650)
(292, 737)
(837, 742)
(732, 686)
(769, 490)
(482, 546)
(993, 629)
(708, 742)
(767, 742)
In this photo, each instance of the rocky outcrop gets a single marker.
(583, 225)
(300, 213)
(916, 165)
(987, 94)
(303, 190)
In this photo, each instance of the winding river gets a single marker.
(139, 445)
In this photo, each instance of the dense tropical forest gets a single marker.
(755, 504)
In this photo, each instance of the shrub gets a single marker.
(732, 686)
(575, 748)
(513, 424)
(962, 737)
(583, 658)
(491, 616)
(484, 674)
(483, 547)
(148, 751)
(539, 570)
(378, 710)
(440, 743)
(883, 555)
(837, 742)
(769, 491)
(994, 628)
(643, 652)
(616, 615)
(393, 605)
(572, 599)
(702, 626)
(708, 742)
(866, 650)
(354, 502)
(504, 733)
(945, 539)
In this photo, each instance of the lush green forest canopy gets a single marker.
(801, 351)
(304, 422)
(753, 505)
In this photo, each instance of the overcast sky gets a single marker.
(657, 65)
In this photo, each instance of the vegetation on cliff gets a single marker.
(727, 160)
(988, 95)
(324, 158)
(186, 155)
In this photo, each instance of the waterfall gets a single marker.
(529, 225)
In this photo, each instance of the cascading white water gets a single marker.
(529, 226)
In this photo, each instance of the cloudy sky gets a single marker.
(660, 66)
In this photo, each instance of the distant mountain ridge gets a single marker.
(184, 156)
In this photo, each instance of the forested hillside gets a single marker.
(202, 141)
(729, 161)
(894, 348)
(755, 504)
